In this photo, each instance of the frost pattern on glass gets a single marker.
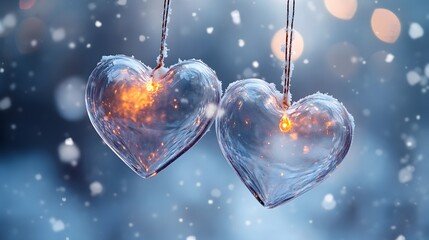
(278, 166)
(150, 121)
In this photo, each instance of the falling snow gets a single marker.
(58, 34)
(68, 152)
(59, 180)
(406, 174)
(416, 31)
(329, 202)
(5, 103)
(235, 15)
(413, 78)
(96, 188)
(98, 24)
(210, 30)
(57, 225)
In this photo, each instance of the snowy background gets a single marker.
(58, 180)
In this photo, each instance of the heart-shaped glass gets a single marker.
(279, 156)
(149, 118)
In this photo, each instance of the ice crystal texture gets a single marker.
(149, 121)
(278, 166)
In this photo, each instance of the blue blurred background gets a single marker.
(59, 181)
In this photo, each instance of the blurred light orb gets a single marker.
(342, 9)
(416, 31)
(413, 78)
(278, 45)
(385, 25)
(329, 202)
(58, 34)
(9, 20)
(70, 99)
(96, 188)
(5, 103)
(68, 152)
(26, 4)
(7, 24)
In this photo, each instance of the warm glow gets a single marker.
(278, 44)
(285, 124)
(385, 25)
(152, 86)
(132, 99)
(342, 9)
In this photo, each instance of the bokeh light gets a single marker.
(342, 9)
(70, 99)
(385, 25)
(26, 4)
(278, 45)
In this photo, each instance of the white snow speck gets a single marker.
(211, 110)
(410, 142)
(142, 38)
(98, 24)
(191, 237)
(255, 64)
(329, 202)
(416, 31)
(5, 103)
(58, 34)
(389, 58)
(57, 225)
(121, 2)
(400, 237)
(210, 30)
(241, 43)
(235, 15)
(413, 78)
(96, 188)
(406, 174)
(68, 152)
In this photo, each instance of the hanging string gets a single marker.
(288, 53)
(163, 48)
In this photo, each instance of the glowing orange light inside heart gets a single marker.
(134, 100)
(285, 124)
(152, 86)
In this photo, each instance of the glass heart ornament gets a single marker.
(150, 118)
(281, 154)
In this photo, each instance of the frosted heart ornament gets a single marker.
(281, 154)
(150, 118)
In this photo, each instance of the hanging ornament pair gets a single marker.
(150, 117)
